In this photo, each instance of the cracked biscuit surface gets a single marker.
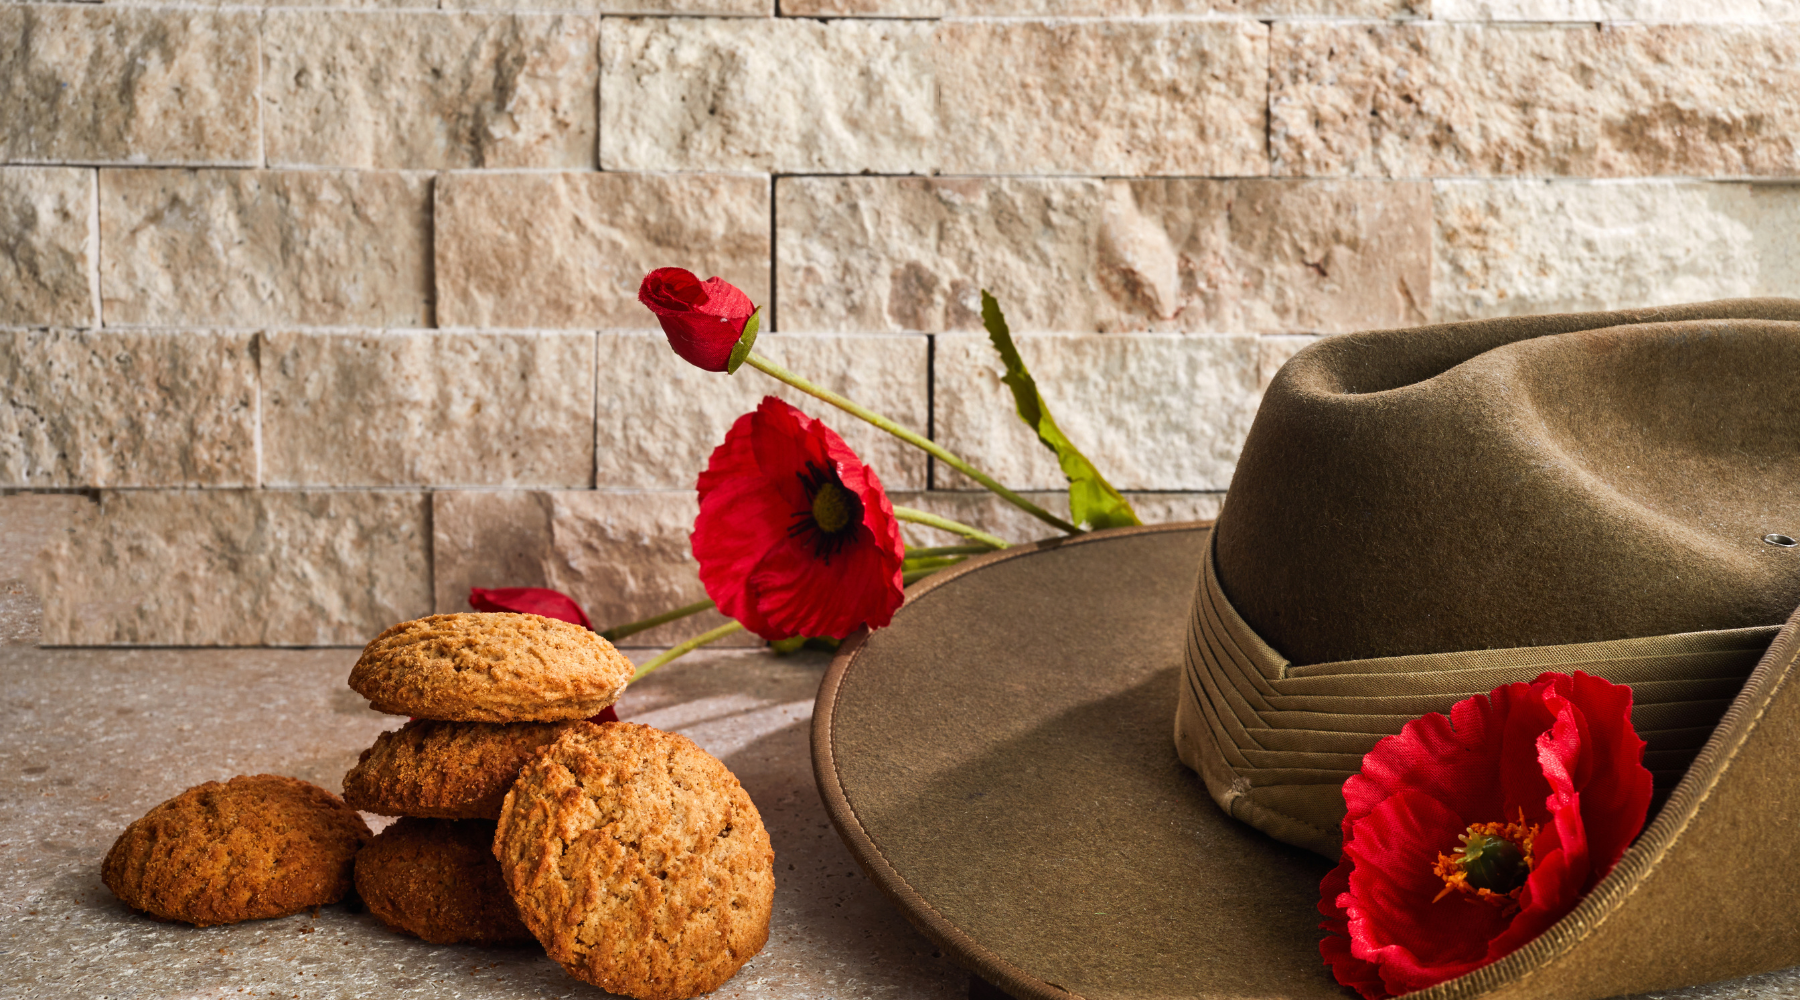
(253, 847)
(450, 770)
(436, 879)
(490, 667)
(638, 861)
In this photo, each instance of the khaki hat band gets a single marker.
(1275, 742)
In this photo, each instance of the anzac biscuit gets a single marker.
(638, 861)
(453, 770)
(437, 879)
(496, 667)
(254, 847)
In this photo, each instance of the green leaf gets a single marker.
(746, 340)
(1092, 500)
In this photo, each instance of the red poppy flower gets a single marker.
(702, 319)
(795, 535)
(537, 601)
(531, 601)
(1468, 836)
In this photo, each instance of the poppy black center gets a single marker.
(833, 511)
(1494, 863)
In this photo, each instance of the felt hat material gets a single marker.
(999, 761)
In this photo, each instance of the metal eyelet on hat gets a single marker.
(1784, 541)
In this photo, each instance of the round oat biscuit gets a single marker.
(451, 770)
(638, 861)
(437, 879)
(253, 847)
(490, 667)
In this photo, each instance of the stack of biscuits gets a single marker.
(634, 857)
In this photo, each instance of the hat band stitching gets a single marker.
(1279, 740)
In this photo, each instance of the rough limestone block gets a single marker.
(1128, 97)
(659, 418)
(1153, 412)
(1273, 352)
(28, 522)
(1505, 248)
(1423, 100)
(430, 91)
(1104, 8)
(49, 235)
(1655, 11)
(100, 84)
(621, 556)
(237, 568)
(570, 250)
(127, 408)
(995, 516)
(428, 409)
(771, 94)
(251, 247)
(905, 253)
(745, 8)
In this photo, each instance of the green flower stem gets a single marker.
(945, 524)
(931, 562)
(913, 576)
(685, 648)
(948, 550)
(618, 632)
(931, 447)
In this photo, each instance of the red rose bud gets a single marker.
(531, 601)
(795, 535)
(703, 319)
(1465, 837)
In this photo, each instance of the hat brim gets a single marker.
(1000, 762)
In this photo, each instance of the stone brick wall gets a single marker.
(313, 316)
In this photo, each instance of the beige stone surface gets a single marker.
(98, 84)
(659, 418)
(1422, 100)
(906, 253)
(428, 409)
(430, 90)
(995, 516)
(1154, 412)
(1157, 97)
(1656, 11)
(86, 408)
(558, 250)
(28, 523)
(1106, 8)
(742, 8)
(237, 568)
(623, 556)
(1273, 352)
(48, 242)
(772, 94)
(252, 247)
(94, 738)
(1505, 248)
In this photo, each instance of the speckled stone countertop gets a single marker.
(92, 738)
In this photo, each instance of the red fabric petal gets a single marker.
(801, 594)
(1393, 922)
(1560, 750)
(1613, 810)
(777, 583)
(530, 600)
(702, 319)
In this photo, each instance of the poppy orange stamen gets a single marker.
(1492, 864)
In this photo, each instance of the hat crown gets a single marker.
(1504, 484)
